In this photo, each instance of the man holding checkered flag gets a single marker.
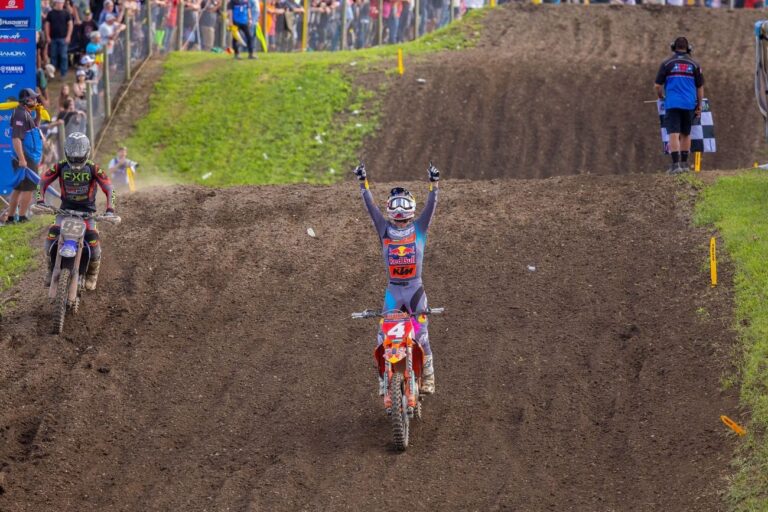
(680, 84)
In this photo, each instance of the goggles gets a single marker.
(401, 203)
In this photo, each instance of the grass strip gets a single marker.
(16, 252)
(738, 208)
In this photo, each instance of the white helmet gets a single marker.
(401, 205)
(77, 149)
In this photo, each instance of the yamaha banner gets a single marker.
(17, 71)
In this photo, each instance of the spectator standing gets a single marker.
(240, 17)
(27, 143)
(110, 30)
(83, 31)
(79, 90)
(72, 120)
(109, 8)
(405, 21)
(361, 22)
(191, 24)
(680, 84)
(118, 170)
(171, 19)
(255, 7)
(58, 30)
(208, 24)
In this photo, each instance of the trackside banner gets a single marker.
(20, 15)
(17, 71)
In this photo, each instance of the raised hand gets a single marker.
(360, 172)
(434, 173)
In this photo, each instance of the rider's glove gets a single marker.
(360, 172)
(434, 173)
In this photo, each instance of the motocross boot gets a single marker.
(382, 386)
(428, 378)
(92, 275)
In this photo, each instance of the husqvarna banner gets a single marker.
(17, 71)
(20, 15)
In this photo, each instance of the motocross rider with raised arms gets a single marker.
(78, 177)
(403, 240)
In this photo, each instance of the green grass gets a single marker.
(16, 251)
(738, 208)
(285, 118)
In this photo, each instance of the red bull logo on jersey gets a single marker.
(402, 250)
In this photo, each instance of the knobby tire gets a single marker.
(62, 291)
(400, 420)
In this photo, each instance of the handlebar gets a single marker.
(376, 313)
(98, 217)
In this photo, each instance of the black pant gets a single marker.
(678, 120)
(246, 31)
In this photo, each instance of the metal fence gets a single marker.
(302, 25)
(112, 69)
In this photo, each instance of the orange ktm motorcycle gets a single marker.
(399, 359)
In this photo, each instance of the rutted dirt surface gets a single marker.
(559, 90)
(217, 368)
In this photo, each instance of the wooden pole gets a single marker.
(381, 22)
(305, 27)
(343, 24)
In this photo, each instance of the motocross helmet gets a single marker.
(401, 205)
(77, 149)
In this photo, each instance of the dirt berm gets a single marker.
(217, 368)
(559, 90)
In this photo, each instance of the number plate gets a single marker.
(73, 228)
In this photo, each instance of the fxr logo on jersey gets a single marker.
(12, 5)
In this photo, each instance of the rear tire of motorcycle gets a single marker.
(62, 291)
(400, 420)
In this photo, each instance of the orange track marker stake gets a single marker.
(713, 261)
(400, 67)
(697, 161)
(733, 425)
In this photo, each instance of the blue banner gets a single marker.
(20, 15)
(17, 71)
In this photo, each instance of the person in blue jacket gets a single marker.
(240, 16)
(27, 142)
(680, 83)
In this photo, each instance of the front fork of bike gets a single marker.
(387, 380)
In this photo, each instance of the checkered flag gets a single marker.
(702, 130)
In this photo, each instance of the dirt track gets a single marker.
(219, 369)
(559, 90)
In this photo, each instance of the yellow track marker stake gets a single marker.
(754, 165)
(400, 67)
(733, 425)
(713, 260)
(697, 161)
(493, 3)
